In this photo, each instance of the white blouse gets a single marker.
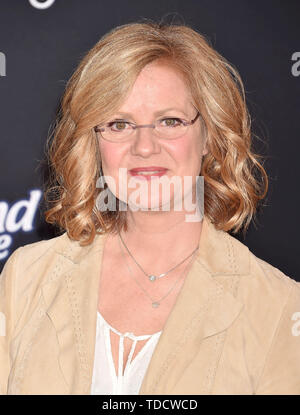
(105, 380)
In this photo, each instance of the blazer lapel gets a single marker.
(206, 306)
(71, 298)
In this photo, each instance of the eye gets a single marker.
(117, 125)
(171, 122)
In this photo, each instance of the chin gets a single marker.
(152, 205)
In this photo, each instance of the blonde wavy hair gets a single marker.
(234, 178)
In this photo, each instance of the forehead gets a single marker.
(158, 86)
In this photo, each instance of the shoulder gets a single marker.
(32, 252)
(32, 264)
(257, 273)
(269, 324)
(280, 292)
(271, 299)
(265, 290)
(272, 280)
(29, 263)
(274, 315)
(29, 253)
(228, 256)
(26, 269)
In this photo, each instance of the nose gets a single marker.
(145, 142)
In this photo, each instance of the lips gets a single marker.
(147, 169)
(148, 172)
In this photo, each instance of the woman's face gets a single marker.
(157, 88)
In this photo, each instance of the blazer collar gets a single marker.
(205, 306)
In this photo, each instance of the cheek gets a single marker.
(110, 157)
(187, 155)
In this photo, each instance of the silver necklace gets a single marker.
(156, 303)
(151, 276)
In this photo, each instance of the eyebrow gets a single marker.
(159, 112)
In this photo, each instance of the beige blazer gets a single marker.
(235, 327)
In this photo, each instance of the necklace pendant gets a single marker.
(155, 304)
(152, 277)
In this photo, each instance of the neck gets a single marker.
(161, 236)
(152, 224)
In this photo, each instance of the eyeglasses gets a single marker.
(168, 128)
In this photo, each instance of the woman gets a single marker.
(150, 296)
